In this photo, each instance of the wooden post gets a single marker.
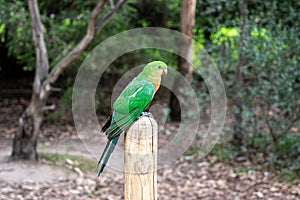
(141, 160)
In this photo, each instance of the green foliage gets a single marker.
(96, 191)
(80, 162)
(240, 170)
(289, 147)
(64, 106)
(55, 116)
(66, 99)
(193, 150)
(15, 32)
(223, 152)
(157, 13)
(64, 25)
(270, 88)
(287, 176)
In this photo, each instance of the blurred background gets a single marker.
(255, 45)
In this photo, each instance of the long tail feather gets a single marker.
(109, 148)
(104, 151)
(107, 124)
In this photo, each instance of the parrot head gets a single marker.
(155, 68)
(153, 72)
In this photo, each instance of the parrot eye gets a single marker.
(159, 67)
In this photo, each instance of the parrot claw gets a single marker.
(146, 114)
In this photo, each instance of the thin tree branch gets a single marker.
(283, 132)
(92, 30)
(113, 11)
(50, 107)
(79, 48)
(288, 127)
(55, 89)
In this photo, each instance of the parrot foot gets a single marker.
(146, 114)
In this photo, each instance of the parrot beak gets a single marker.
(165, 71)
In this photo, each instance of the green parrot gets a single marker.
(131, 103)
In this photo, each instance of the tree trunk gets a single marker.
(187, 22)
(238, 136)
(25, 140)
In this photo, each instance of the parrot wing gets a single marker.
(134, 99)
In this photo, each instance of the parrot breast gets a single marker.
(156, 86)
(155, 81)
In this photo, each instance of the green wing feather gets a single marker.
(134, 99)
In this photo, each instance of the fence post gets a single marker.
(141, 160)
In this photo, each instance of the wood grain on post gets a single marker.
(141, 160)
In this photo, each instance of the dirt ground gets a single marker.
(188, 178)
